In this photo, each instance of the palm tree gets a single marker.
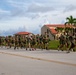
(70, 21)
(75, 22)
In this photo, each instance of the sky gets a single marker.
(31, 15)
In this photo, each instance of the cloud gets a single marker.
(33, 14)
(4, 14)
(18, 3)
(12, 31)
(36, 8)
(17, 12)
(69, 8)
(3, 11)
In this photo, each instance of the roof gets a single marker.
(53, 31)
(23, 33)
(59, 25)
(52, 27)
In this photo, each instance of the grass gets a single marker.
(53, 44)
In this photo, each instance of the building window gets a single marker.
(47, 31)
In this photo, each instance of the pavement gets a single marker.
(59, 60)
(47, 55)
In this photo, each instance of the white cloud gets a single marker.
(35, 8)
(3, 11)
(70, 8)
(4, 14)
(32, 14)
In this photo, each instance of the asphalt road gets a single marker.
(39, 62)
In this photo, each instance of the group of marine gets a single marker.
(38, 41)
(69, 41)
(31, 42)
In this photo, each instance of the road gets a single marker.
(39, 62)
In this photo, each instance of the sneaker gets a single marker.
(26, 48)
(68, 51)
(58, 49)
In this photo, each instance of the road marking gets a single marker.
(59, 62)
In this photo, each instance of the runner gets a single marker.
(62, 42)
(73, 44)
(16, 43)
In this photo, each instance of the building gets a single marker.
(52, 30)
(26, 34)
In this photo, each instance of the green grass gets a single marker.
(53, 44)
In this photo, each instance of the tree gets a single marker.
(75, 22)
(70, 21)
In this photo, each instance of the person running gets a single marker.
(33, 43)
(62, 42)
(16, 42)
(67, 42)
(40, 42)
(72, 42)
(0, 41)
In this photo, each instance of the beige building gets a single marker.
(52, 32)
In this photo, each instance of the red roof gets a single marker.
(52, 27)
(59, 25)
(23, 33)
(53, 31)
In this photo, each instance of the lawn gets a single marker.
(53, 44)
